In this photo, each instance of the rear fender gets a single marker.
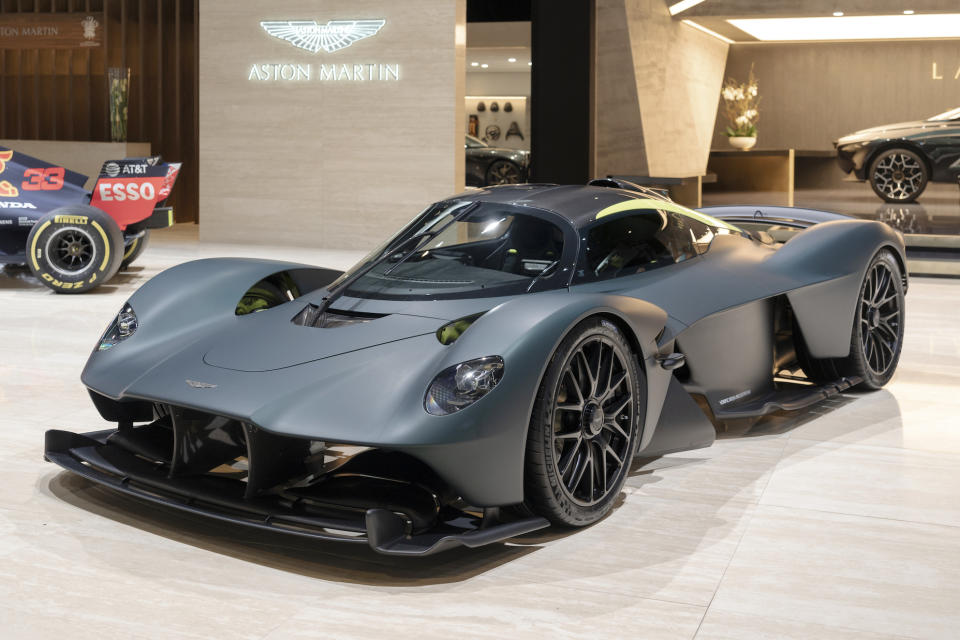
(834, 257)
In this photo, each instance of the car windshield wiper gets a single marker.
(336, 292)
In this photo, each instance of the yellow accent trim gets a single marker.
(65, 219)
(33, 245)
(662, 205)
(106, 244)
(170, 218)
(133, 247)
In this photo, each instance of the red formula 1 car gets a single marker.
(74, 240)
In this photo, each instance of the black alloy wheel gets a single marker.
(898, 175)
(503, 172)
(70, 250)
(876, 339)
(880, 316)
(584, 428)
(593, 414)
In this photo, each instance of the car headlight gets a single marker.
(461, 385)
(122, 327)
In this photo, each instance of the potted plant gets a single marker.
(740, 102)
(118, 82)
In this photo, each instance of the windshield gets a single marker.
(464, 249)
(953, 114)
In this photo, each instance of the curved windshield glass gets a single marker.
(953, 114)
(461, 249)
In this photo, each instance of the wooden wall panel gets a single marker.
(62, 94)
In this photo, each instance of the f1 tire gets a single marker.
(134, 249)
(75, 248)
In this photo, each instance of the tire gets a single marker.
(566, 446)
(133, 251)
(503, 172)
(898, 175)
(74, 249)
(876, 339)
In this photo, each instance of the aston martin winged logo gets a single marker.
(333, 36)
(196, 384)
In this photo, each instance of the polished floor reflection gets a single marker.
(838, 522)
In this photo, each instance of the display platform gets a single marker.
(799, 524)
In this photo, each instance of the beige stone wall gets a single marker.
(657, 85)
(813, 93)
(336, 164)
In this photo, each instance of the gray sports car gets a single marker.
(490, 370)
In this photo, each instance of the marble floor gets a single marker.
(839, 522)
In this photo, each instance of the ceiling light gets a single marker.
(529, 64)
(837, 14)
(908, 12)
(511, 59)
(484, 65)
(474, 64)
(943, 25)
(683, 5)
(708, 31)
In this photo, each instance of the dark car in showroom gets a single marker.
(488, 165)
(899, 160)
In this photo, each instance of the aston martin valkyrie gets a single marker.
(490, 370)
(900, 159)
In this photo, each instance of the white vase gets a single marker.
(742, 142)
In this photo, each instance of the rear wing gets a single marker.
(794, 217)
(771, 223)
(135, 190)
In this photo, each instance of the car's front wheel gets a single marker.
(898, 175)
(584, 427)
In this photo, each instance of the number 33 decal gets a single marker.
(49, 179)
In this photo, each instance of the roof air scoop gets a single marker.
(613, 182)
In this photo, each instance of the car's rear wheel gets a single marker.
(877, 335)
(584, 427)
(898, 175)
(133, 250)
(74, 249)
(503, 172)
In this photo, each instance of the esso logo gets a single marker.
(119, 191)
